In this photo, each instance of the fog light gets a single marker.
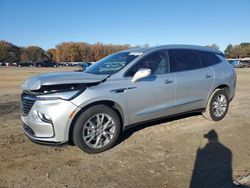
(44, 117)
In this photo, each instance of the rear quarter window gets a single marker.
(208, 58)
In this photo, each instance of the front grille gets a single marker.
(27, 103)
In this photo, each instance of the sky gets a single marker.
(47, 23)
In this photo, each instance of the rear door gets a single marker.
(193, 82)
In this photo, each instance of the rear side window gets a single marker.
(208, 58)
(184, 59)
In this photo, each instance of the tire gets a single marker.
(219, 97)
(93, 136)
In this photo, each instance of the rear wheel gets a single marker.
(96, 129)
(217, 106)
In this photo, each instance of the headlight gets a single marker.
(69, 95)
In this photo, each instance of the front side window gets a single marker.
(156, 61)
(112, 63)
(184, 59)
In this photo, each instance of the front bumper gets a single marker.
(30, 134)
(55, 132)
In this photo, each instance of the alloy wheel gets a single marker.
(99, 130)
(219, 105)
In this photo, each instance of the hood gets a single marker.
(35, 82)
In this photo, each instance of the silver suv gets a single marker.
(91, 108)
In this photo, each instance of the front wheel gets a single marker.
(96, 129)
(217, 106)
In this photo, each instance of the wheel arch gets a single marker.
(108, 103)
(225, 87)
(207, 113)
(221, 86)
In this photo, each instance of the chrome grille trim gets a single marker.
(27, 103)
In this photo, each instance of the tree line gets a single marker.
(63, 52)
(238, 51)
(84, 52)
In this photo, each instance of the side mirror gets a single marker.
(141, 73)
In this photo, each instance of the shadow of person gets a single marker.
(213, 165)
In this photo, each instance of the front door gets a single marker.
(154, 96)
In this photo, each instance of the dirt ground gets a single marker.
(166, 153)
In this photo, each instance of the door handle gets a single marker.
(168, 81)
(208, 76)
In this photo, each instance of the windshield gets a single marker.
(112, 63)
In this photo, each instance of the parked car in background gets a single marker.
(91, 109)
(46, 64)
(24, 64)
(3, 64)
(245, 64)
(85, 65)
(72, 64)
(7, 64)
(240, 62)
(60, 64)
(234, 63)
